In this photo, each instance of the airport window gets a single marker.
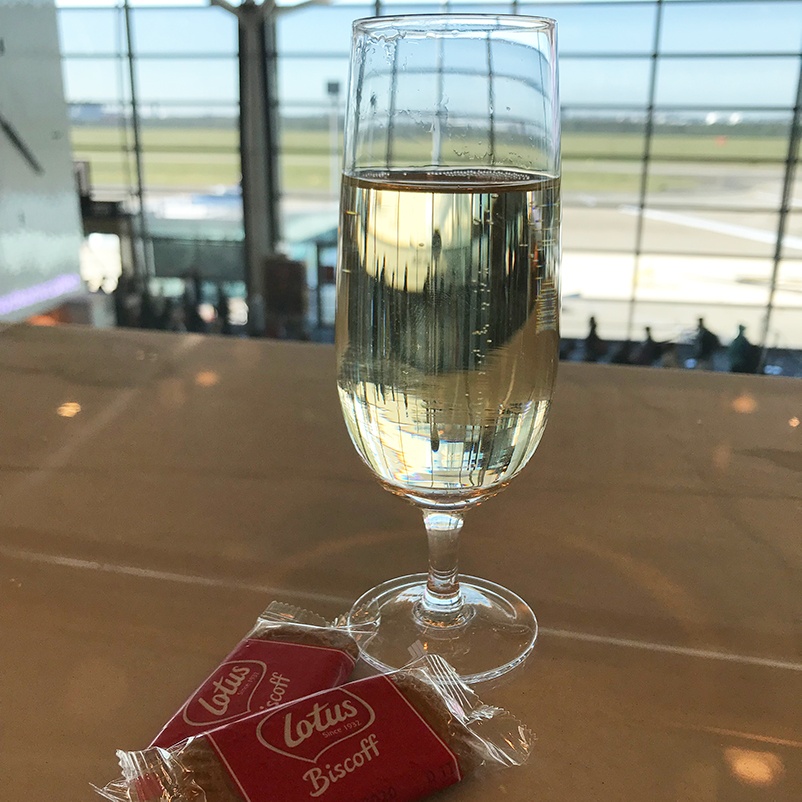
(678, 117)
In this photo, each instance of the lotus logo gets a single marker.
(305, 732)
(226, 694)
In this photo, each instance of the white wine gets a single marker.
(447, 325)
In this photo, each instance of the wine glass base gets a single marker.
(496, 635)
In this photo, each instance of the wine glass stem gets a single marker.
(442, 600)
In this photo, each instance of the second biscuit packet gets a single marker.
(289, 653)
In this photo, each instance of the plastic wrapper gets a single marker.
(289, 653)
(399, 736)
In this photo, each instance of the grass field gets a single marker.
(195, 158)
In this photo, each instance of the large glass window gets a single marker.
(714, 233)
(90, 31)
(206, 32)
(181, 80)
(674, 161)
(695, 185)
(608, 82)
(774, 27)
(98, 81)
(727, 82)
(596, 29)
(792, 240)
(318, 30)
(729, 135)
(593, 230)
(305, 81)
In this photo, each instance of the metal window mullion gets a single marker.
(785, 207)
(647, 149)
(140, 181)
(123, 100)
(391, 111)
(270, 77)
(491, 105)
(441, 113)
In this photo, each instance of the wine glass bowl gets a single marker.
(447, 301)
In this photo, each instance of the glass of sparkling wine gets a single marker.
(447, 332)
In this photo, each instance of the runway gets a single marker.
(701, 263)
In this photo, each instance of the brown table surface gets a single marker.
(657, 533)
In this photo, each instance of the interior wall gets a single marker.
(40, 223)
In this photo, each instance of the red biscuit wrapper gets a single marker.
(398, 736)
(288, 654)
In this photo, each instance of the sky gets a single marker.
(604, 49)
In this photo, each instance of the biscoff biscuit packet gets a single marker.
(289, 653)
(399, 736)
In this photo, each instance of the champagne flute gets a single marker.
(447, 302)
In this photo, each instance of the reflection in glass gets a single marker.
(447, 392)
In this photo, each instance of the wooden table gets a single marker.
(157, 490)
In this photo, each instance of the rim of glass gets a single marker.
(466, 22)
